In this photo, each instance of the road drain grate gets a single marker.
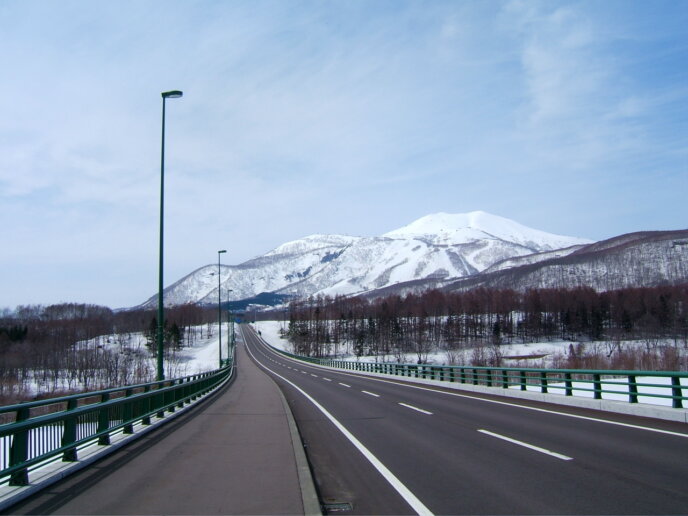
(337, 507)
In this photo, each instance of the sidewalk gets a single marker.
(237, 454)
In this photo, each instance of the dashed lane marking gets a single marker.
(416, 408)
(526, 445)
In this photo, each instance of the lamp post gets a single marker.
(174, 94)
(219, 307)
(229, 324)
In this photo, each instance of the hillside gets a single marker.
(435, 247)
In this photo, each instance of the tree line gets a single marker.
(73, 346)
(420, 323)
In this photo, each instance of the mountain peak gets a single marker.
(442, 222)
(461, 228)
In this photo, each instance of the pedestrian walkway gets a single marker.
(239, 453)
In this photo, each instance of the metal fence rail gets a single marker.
(562, 381)
(34, 433)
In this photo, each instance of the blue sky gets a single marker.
(353, 117)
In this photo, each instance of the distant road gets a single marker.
(415, 449)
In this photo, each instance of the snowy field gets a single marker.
(201, 355)
(533, 354)
(270, 331)
(124, 359)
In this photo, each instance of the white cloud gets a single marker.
(564, 71)
(303, 118)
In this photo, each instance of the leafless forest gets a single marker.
(483, 320)
(73, 347)
(47, 350)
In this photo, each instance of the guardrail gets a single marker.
(563, 381)
(42, 431)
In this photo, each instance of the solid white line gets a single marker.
(345, 385)
(416, 408)
(334, 370)
(371, 394)
(506, 403)
(526, 445)
(399, 487)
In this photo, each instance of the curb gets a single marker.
(309, 495)
(311, 503)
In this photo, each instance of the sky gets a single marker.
(300, 117)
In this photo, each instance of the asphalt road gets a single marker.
(230, 455)
(415, 449)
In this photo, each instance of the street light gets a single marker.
(219, 307)
(230, 324)
(174, 94)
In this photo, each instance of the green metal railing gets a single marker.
(34, 433)
(562, 381)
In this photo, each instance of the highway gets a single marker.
(381, 446)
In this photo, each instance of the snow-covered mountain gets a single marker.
(644, 259)
(464, 228)
(440, 246)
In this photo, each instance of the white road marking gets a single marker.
(327, 379)
(416, 408)
(343, 384)
(397, 484)
(314, 375)
(371, 394)
(485, 400)
(526, 445)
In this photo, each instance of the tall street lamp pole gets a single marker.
(229, 322)
(174, 94)
(219, 307)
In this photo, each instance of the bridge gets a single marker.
(280, 435)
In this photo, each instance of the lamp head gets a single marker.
(174, 94)
(223, 251)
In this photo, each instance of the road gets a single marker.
(387, 447)
(233, 454)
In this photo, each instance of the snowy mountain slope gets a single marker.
(532, 258)
(375, 262)
(439, 246)
(287, 264)
(633, 260)
(462, 228)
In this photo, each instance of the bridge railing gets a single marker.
(34, 433)
(630, 385)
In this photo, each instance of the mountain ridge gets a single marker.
(462, 245)
(639, 259)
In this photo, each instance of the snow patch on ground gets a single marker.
(271, 332)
